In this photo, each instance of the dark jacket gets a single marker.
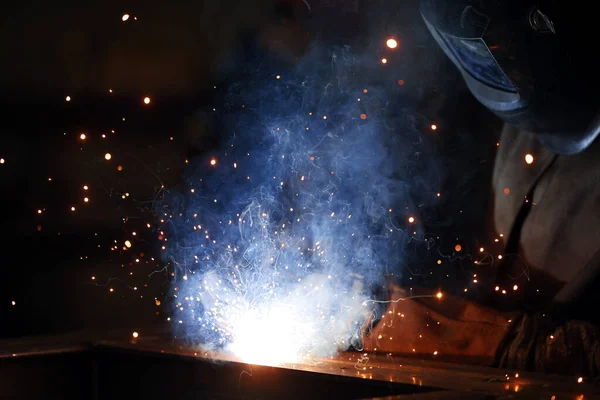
(548, 211)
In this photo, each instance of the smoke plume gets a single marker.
(277, 238)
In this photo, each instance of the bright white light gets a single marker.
(309, 321)
(271, 336)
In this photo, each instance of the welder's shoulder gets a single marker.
(520, 160)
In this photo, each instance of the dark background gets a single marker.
(180, 54)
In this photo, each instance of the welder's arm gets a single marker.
(454, 329)
(536, 343)
(443, 328)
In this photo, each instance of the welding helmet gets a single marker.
(531, 64)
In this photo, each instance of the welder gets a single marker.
(532, 65)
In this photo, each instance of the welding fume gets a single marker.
(283, 241)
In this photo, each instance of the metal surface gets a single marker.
(405, 378)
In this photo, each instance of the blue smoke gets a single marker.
(277, 238)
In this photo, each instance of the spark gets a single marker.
(391, 43)
(86, 199)
(14, 303)
(439, 295)
(213, 161)
(72, 208)
(458, 248)
(107, 156)
(580, 379)
(411, 220)
(384, 60)
(68, 98)
(125, 17)
(82, 136)
(135, 335)
(363, 116)
(515, 287)
(433, 127)
(147, 100)
(528, 158)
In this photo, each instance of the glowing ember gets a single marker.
(125, 17)
(411, 219)
(433, 127)
(384, 60)
(391, 43)
(82, 136)
(107, 156)
(135, 335)
(68, 98)
(147, 100)
(213, 161)
(458, 247)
